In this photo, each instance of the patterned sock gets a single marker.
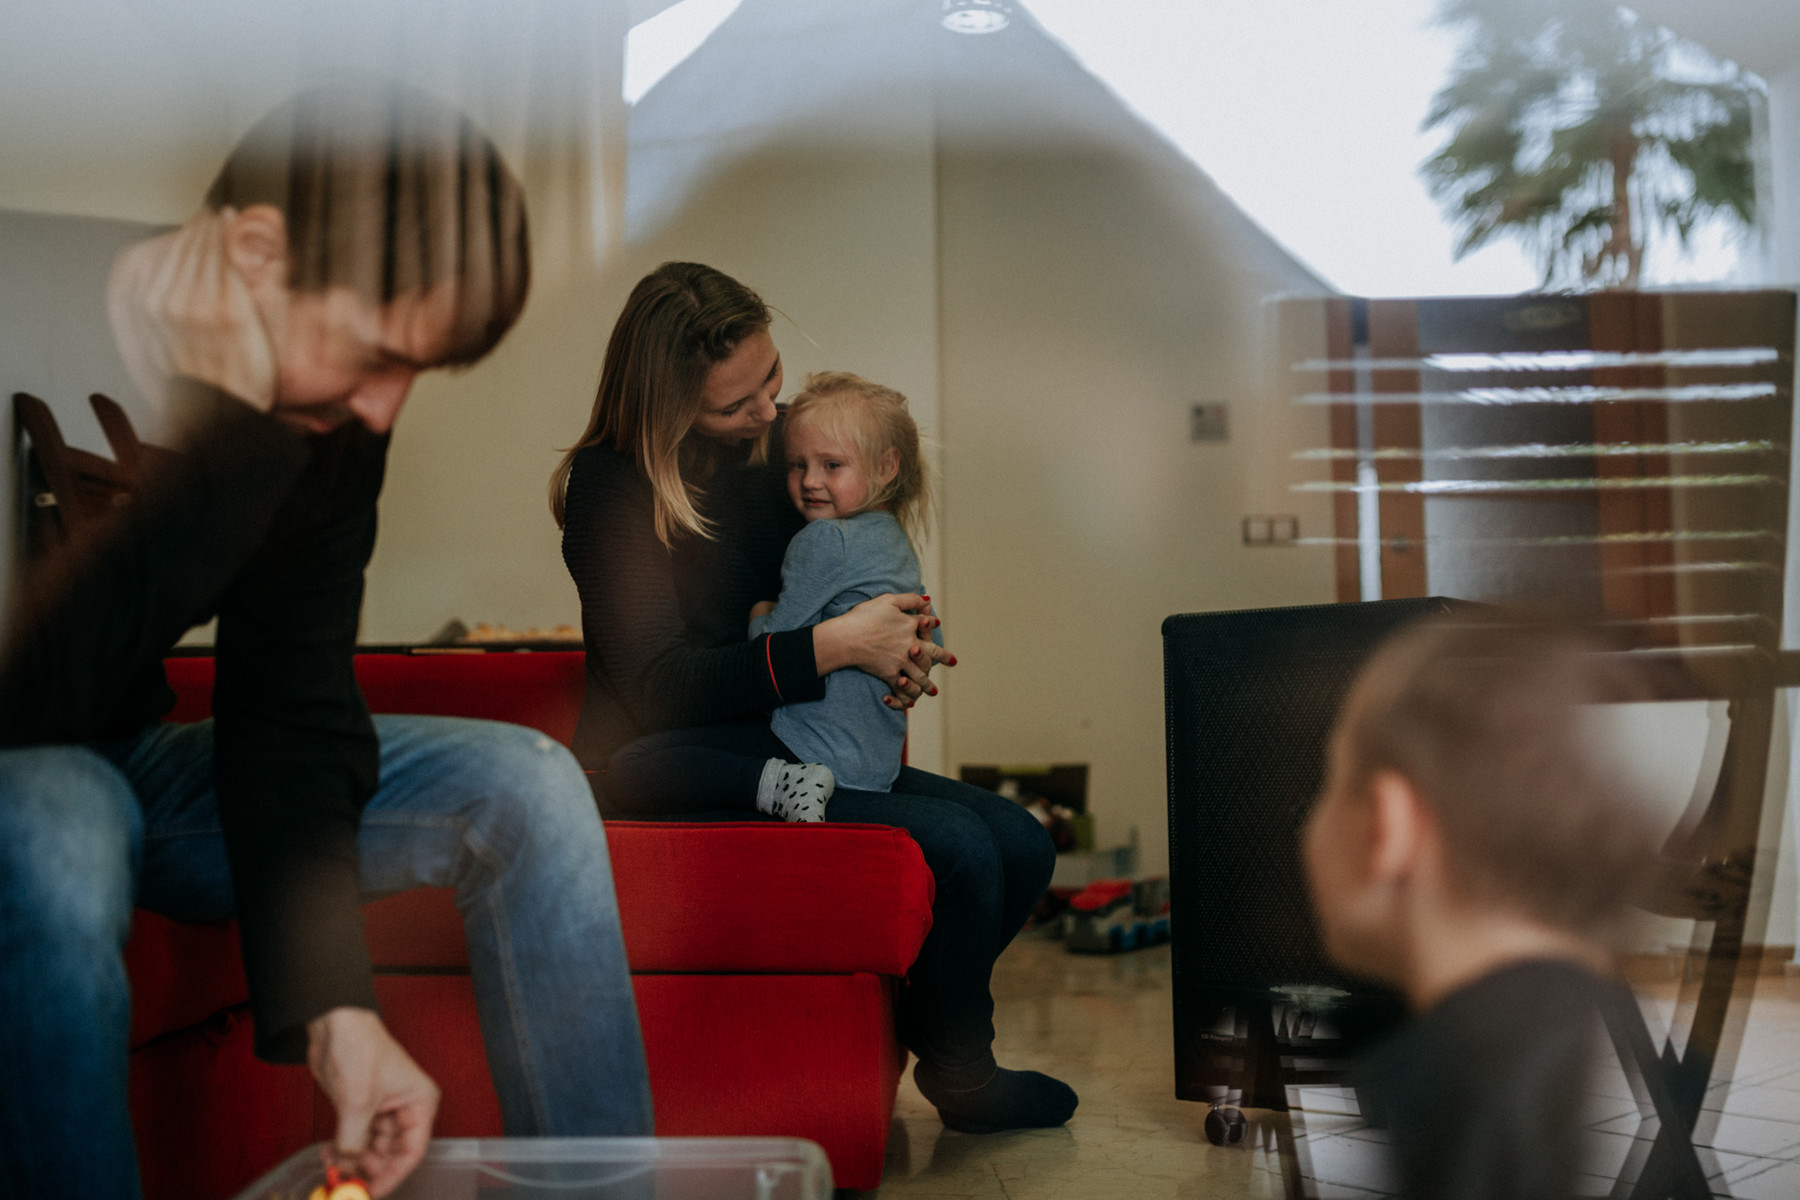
(794, 791)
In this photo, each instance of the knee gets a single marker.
(1026, 852)
(533, 786)
(70, 833)
(961, 852)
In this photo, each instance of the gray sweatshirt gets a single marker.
(830, 568)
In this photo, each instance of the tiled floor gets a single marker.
(1104, 1025)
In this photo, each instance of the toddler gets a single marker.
(855, 471)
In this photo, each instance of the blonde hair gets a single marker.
(872, 420)
(680, 321)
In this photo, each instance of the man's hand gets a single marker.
(182, 306)
(385, 1104)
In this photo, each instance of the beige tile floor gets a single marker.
(1104, 1024)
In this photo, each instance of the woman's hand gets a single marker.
(761, 608)
(887, 637)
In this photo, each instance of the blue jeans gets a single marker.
(498, 812)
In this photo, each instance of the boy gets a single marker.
(1470, 842)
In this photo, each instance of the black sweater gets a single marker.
(1483, 1093)
(665, 630)
(270, 530)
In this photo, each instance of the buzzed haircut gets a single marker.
(390, 192)
(1490, 721)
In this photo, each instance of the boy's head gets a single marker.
(1467, 775)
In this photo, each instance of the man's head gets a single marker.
(1468, 771)
(380, 234)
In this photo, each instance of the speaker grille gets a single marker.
(1250, 700)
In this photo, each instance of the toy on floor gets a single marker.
(340, 1185)
(1115, 915)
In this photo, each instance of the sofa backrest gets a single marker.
(539, 688)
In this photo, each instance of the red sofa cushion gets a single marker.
(751, 897)
(541, 689)
(180, 974)
(760, 898)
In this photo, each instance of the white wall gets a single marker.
(1080, 515)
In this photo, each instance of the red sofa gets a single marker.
(752, 1025)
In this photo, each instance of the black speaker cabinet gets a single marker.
(1250, 698)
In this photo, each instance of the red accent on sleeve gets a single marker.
(769, 657)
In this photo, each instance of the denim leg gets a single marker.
(991, 861)
(1027, 855)
(503, 815)
(69, 837)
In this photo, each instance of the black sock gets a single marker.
(1004, 1100)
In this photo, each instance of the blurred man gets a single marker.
(357, 236)
(1471, 841)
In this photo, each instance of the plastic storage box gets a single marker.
(588, 1169)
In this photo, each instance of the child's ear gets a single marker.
(1400, 826)
(890, 465)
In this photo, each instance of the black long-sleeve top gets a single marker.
(665, 628)
(270, 530)
(1483, 1093)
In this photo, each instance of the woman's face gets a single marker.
(737, 402)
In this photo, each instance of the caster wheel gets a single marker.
(1225, 1126)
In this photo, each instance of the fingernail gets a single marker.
(953, 660)
(933, 692)
(926, 598)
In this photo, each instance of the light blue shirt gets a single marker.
(830, 568)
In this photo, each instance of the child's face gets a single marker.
(826, 478)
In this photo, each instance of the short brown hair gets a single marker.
(389, 192)
(1483, 717)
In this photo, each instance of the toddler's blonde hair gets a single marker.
(870, 419)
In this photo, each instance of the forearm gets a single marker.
(295, 752)
(702, 685)
(835, 646)
(300, 927)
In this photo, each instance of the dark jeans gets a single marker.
(693, 770)
(990, 858)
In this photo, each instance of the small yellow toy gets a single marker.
(340, 1185)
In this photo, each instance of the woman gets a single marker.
(675, 520)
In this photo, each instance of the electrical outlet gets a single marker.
(1209, 423)
(1280, 529)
